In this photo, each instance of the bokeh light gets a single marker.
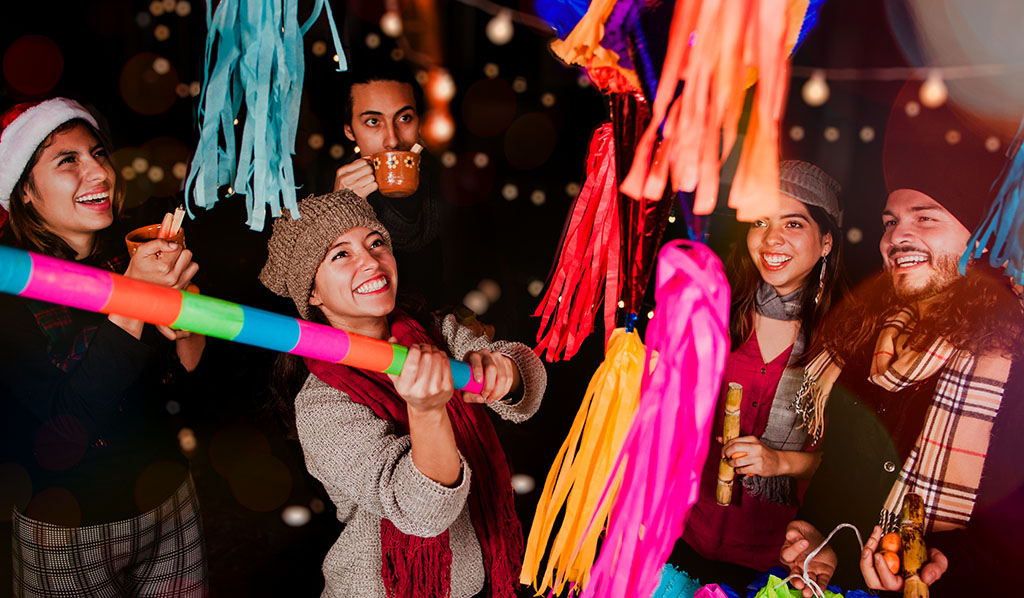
(438, 127)
(145, 90)
(867, 134)
(854, 235)
(523, 484)
(488, 107)
(319, 48)
(535, 287)
(476, 301)
(993, 144)
(953, 137)
(397, 54)
(480, 160)
(831, 134)
(337, 151)
(933, 91)
(509, 191)
(491, 289)
(572, 188)
(815, 91)
(143, 19)
(156, 8)
(33, 64)
(179, 170)
(295, 515)
(316, 141)
(796, 133)
(519, 84)
(372, 41)
(912, 109)
(547, 100)
(161, 33)
(500, 29)
(491, 70)
(449, 159)
(391, 23)
(538, 197)
(155, 174)
(183, 9)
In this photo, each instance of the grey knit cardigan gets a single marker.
(368, 472)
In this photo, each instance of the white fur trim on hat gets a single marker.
(19, 140)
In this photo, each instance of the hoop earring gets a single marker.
(821, 282)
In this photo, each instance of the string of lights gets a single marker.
(933, 91)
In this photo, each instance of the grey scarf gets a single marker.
(781, 433)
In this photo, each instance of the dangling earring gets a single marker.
(821, 282)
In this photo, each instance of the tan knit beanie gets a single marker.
(811, 185)
(298, 245)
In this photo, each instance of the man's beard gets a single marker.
(945, 273)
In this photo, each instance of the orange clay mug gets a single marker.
(148, 233)
(397, 172)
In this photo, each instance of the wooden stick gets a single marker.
(176, 220)
(730, 430)
(915, 554)
(165, 227)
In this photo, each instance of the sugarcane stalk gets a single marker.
(915, 554)
(730, 430)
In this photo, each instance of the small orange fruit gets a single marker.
(892, 560)
(891, 542)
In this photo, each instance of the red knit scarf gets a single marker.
(415, 567)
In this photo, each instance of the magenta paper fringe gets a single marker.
(666, 446)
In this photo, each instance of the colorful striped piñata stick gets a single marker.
(58, 281)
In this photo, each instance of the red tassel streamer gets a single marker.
(588, 260)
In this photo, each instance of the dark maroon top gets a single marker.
(750, 531)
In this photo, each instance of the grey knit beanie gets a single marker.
(811, 185)
(298, 245)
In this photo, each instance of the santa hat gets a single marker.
(23, 128)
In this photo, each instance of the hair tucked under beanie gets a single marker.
(812, 186)
(299, 244)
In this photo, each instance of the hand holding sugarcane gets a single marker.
(901, 562)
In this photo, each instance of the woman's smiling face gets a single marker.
(72, 186)
(785, 246)
(356, 281)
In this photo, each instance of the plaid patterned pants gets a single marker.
(159, 553)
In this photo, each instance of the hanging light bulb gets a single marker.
(499, 29)
(438, 127)
(391, 23)
(441, 86)
(933, 91)
(815, 90)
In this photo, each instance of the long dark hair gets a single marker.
(27, 226)
(978, 313)
(744, 279)
(289, 372)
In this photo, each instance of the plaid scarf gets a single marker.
(946, 462)
(67, 338)
(414, 567)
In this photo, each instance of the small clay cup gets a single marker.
(397, 172)
(148, 233)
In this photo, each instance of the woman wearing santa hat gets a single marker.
(101, 499)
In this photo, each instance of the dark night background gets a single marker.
(246, 469)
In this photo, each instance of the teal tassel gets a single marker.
(259, 61)
(1001, 232)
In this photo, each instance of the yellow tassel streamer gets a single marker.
(580, 472)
